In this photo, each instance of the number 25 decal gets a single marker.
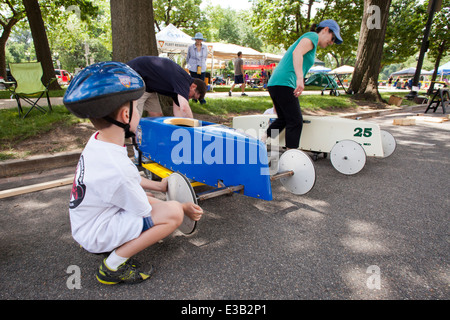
(366, 132)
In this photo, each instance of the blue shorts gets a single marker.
(148, 223)
(239, 79)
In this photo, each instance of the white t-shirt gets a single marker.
(107, 203)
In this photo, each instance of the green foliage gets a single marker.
(58, 17)
(230, 26)
(279, 21)
(271, 26)
(404, 31)
(348, 14)
(440, 33)
(76, 30)
(284, 21)
(185, 14)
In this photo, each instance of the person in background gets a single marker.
(238, 74)
(287, 81)
(196, 59)
(163, 76)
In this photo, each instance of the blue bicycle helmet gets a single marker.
(101, 88)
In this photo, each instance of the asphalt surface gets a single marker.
(380, 234)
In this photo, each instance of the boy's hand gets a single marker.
(164, 184)
(192, 210)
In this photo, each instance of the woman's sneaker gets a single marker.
(126, 273)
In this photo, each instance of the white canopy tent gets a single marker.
(272, 58)
(343, 70)
(227, 51)
(410, 72)
(172, 40)
(318, 69)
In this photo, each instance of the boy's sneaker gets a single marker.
(229, 93)
(243, 94)
(126, 273)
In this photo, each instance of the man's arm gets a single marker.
(184, 110)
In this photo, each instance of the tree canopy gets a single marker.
(12, 14)
(79, 31)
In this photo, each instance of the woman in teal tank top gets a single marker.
(287, 81)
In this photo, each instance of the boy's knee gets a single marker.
(176, 213)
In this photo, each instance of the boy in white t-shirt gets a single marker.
(109, 208)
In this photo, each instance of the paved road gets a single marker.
(380, 234)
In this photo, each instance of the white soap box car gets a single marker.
(347, 141)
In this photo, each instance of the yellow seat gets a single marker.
(183, 122)
(163, 172)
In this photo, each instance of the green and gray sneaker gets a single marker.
(126, 273)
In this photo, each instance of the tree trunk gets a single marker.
(3, 39)
(40, 41)
(3, 56)
(133, 35)
(133, 32)
(370, 50)
(436, 66)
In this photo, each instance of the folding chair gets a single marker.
(29, 86)
(442, 97)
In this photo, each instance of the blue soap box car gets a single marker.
(205, 153)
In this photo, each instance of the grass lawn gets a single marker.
(15, 129)
(6, 94)
(224, 106)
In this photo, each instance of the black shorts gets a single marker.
(239, 79)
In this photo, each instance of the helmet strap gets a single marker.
(128, 133)
(125, 127)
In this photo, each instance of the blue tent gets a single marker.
(444, 69)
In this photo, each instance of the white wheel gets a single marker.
(388, 143)
(304, 177)
(179, 189)
(348, 157)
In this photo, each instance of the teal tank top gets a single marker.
(284, 73)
